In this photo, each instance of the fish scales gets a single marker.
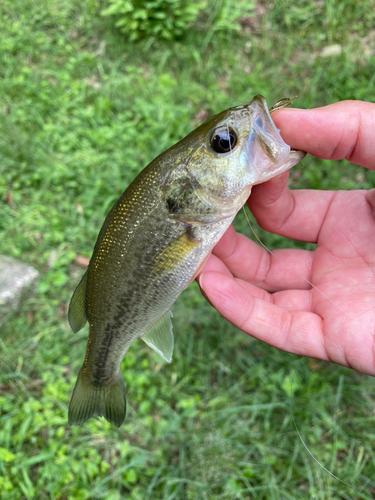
(155, 239)
(134, 284)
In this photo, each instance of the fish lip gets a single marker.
(263, 103)
(274, 132)
(266, 154)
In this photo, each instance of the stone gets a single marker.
(16, 279)
(331, 50)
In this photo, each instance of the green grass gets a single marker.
(82, 110)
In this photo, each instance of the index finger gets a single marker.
(342, 130)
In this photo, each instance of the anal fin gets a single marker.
(160, 337)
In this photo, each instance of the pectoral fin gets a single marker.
(160, 337)
(173, 254)
(77, 309)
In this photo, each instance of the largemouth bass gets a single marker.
(158, 236)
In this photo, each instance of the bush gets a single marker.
(165, 19)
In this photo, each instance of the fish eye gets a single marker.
(223, 139)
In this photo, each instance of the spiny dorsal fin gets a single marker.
(160, 337)
(77, 308)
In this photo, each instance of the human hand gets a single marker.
(270, 296)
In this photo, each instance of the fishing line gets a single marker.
(294, 372)
(302, 440)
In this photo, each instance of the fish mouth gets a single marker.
(266, 152)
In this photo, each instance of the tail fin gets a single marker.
(106, 401)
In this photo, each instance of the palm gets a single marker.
(342, 271)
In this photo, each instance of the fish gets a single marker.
(156, 239)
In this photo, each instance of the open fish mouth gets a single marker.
(265, 152)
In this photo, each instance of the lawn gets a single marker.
(84, 106)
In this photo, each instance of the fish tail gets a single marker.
(90, 400)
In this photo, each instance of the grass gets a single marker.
(82, 110)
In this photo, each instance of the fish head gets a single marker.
(229, 153)
(238, 148)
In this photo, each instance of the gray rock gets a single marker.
(16, 279)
